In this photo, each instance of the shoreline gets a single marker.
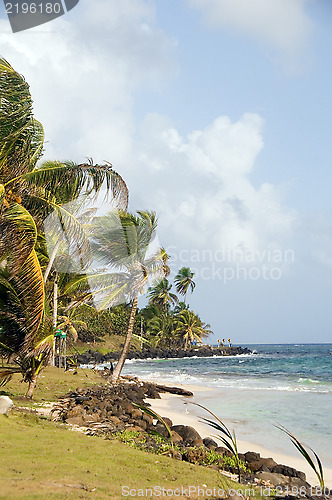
(177, 409)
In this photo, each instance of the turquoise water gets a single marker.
(286, 384)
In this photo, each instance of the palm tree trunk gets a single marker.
(32, 385)
(122, 359)
(50, 263)
(55, 311)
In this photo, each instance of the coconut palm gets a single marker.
(160, 294)
(41, 189)
(121, 241)
(190, 328)
(28, 193)
(184, 281)
(160, 328)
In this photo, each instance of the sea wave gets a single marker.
(203, 380)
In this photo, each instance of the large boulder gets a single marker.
(266, 464)
(252, 456)
(210, 443)
(189, 434)
(176, 438)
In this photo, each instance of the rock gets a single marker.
(160, 428)
(195, 442)
(176, 454)
(167, 421)
(195, 455)
(127, 407)
(96, 357)
(174, 390)
(288, 471)
(77, 411)
(140, 423)
(134, 428)
(223, 451)
(93, 417)
(188, 434)
(135, 413)
(280, 480)
(210, 443)
(76, 421)
(114, 420)
(147, 418)
(5, 404)
(252, 456)
(266, 464)
(176, 437)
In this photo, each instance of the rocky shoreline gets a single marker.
(95, 357)
(110, 411)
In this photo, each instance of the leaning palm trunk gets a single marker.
(122, 359)
(32, 385)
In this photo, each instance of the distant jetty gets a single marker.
(203, 351)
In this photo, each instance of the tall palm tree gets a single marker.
(121, 241)
(184, 281)
(160, 294)
(190, 328)
(28, 193)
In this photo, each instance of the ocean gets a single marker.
(282, 384)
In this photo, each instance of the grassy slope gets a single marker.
(40, 459)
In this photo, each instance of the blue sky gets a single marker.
(218, 115)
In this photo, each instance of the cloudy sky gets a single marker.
(218, 114)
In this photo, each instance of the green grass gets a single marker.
(40, 459)
(52, 383)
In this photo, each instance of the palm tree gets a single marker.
(28, 193)
(121, 241)
(190, 328)
(184, 281)
(161, 328)
(160, 294)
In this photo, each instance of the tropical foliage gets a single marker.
(190, 328)
(29, 192)
(63, 267)
(121, 244)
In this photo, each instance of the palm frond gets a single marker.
(68, 180)
(19, 134)
(18, 236)
(6, 374)
(301, 448)
(29, 284)
(156, 415)
(227, 437)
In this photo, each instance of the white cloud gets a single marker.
(283, 24)
(84, 70)
(200, 185)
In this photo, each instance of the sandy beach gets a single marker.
(180, 412)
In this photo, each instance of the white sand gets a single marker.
(175, 408)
